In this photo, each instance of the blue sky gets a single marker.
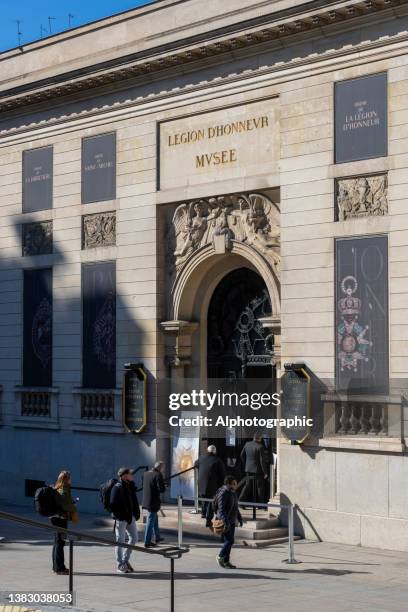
(34, 14)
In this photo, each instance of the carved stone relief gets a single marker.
(250, 218)
(37, 238)
(99, 230)
(361, 197)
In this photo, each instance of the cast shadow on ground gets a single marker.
(157, 575)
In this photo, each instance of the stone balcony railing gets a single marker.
(35, 403)
(365, 422)
(354, 418)
(36, 407)
(97, 405)
(98, 410)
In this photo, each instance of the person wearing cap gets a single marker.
(211, 474)
(153, 486)
(125, 509)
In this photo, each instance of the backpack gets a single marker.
(46, 500)
(105, 493)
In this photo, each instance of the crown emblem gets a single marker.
(349, 305)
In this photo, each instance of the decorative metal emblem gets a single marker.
(353, 346)
(37, 238)
(99, 230)
(251, 341)
(41, 332)
(104, 332)
(362, 197)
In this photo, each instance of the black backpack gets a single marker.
(105, 493)
(46, 500)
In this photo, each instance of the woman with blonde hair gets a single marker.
(66, 513)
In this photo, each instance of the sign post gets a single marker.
(295, 384)
(135, 397)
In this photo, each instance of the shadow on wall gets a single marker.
(299, 519)
(36, 451)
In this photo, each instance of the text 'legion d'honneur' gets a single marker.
(216, 131)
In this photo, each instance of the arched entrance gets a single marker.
(239, 348)
(238, 345)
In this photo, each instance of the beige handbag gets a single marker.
(218, 526)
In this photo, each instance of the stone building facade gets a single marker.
(159, 161)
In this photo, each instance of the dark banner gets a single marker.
(361, 118)
(37, 334)
(99, 168)
(99, 325)
(37, 179)
(362, 314)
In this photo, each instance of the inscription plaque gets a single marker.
(99, 168)
(135, 397)
(361, 118)
(37, 179)
(295, 384)
(234, 142)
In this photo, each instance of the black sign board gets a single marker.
(135, 398)
(37, 328)
(99, 168)
(362, 314)
(295, 403)
(99, 325)
(37, 179)
(361, 118)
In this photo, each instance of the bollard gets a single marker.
(171, 584)
(180, 520)
(71, 570)
(271, 481)
(291, 558)
(196, 508)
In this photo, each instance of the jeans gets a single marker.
(122, 528)
(207, 511)
(228, 539)
(58, 562)
(152, 526)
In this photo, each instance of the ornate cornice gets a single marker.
(248, 40)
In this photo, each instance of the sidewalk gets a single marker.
(330, 577)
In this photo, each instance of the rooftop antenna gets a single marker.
(19, 33)
(43, 31)
(70, 18)
(50, 20)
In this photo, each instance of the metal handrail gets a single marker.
(170, 552)
(289, 507)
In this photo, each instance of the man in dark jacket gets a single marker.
(256, 470)
(211, 474)
(125, 510)
(226, 508)
(153, 486)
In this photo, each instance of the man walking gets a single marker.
(153, 486)
(125, 509)
(256, 470)
(211, 474)
(226, 509)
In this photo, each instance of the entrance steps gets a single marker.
(264, 531)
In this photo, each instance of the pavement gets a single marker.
(329, 577)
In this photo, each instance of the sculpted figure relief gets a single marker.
(362, 197)
(251, 218)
